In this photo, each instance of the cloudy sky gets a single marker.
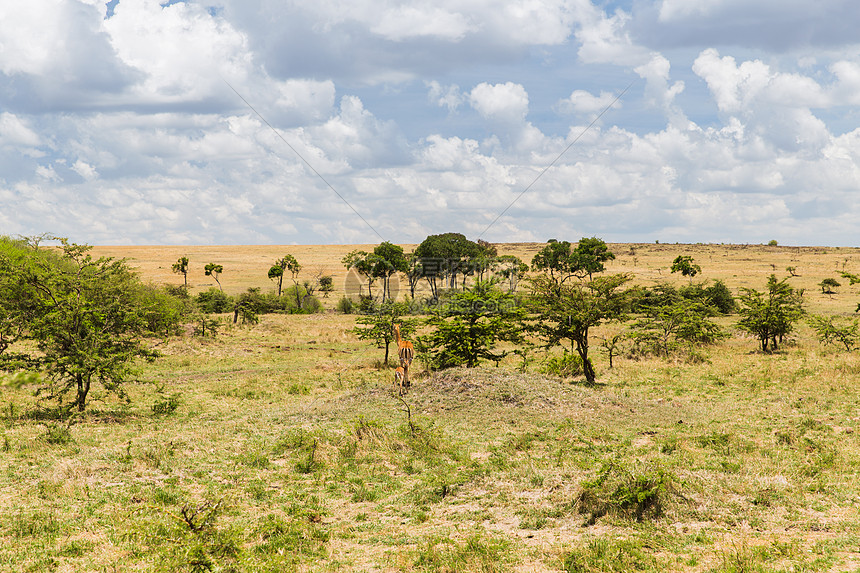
(357, 121)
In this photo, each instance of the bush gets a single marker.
(166, 405)
(637, 494)
(770, 316)
(297, 300)
(204, 325)
(214, 301)
(642, 299)
(366, 305)
(326, 285)
(177, 291)
(566, 366)
(832, 331)
(667, 329)
(716, 295)
(161, 311)
(720, 297)
(345, 305)
(467, 328)
(312, 304)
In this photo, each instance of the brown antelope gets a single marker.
(399, 374)
(406, 352)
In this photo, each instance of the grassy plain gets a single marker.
(281, 447)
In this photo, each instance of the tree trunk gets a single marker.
(587, 368)
(83, 390)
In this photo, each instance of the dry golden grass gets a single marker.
(291, 426)
(736, 265)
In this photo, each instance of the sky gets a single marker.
(230, 122)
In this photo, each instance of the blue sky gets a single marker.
(118, 124)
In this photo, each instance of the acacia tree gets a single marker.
(568, 311)
(214, 270)
(829, 331)
(685, 265)
(665, 327)
(88, 319)
(444, 256)
(389, 260)
(277, 271)
(853, 280)
(828, 284)
(770, 316)
(486, 259)
(181, 267)
(364, 264)
(467, 328)
(562, 262)
(414, 273)
(512, 269)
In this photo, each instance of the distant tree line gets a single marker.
(566, 296)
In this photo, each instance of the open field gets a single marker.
(281, 447)
(736, 265)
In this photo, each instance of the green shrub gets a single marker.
(166, 405)
(641, 299)
(345, 305)
(567, 365)
(366, 305)
(205, 325)
(58, 434)
(297, 300)
(326, 285)
(637, 494)
(214, 301)
(716, 295)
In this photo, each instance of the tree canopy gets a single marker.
(567, 312)
(88, 318)
(685, 265)
(285, 263)
(467, 327)
(562, 262)
(444, 256)
(770, 316)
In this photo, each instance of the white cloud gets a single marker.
(581, 101)
(656, 74)
(444, 96)
(506, 102)
(47, 172)
(182, 50)
(732, 85)
(14, 131)
(773, 106)
(85, 170)
(847, 89)
(606, 39)
(309, 99)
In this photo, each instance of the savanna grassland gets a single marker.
(281, 446)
